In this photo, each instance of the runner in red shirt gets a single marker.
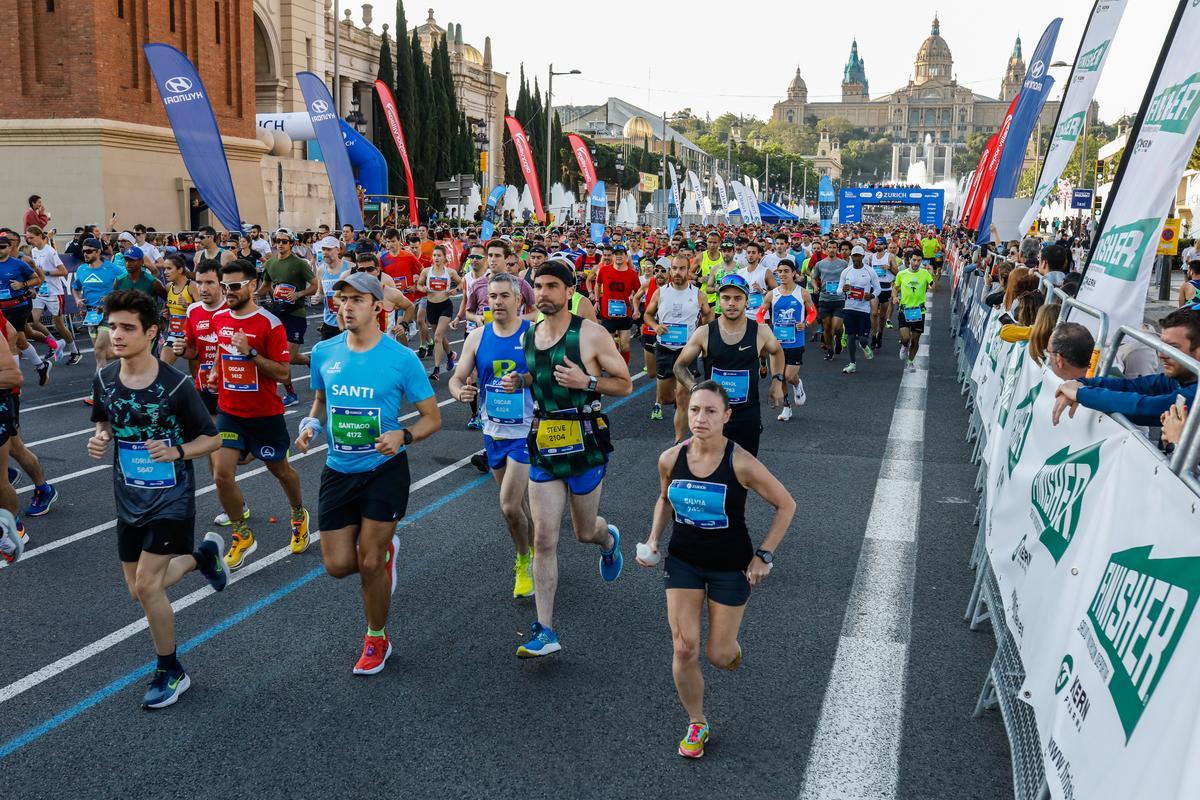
(403, 265)
(252, 357)
(614, 286)
(199, 345)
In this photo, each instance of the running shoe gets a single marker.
(223, 518)
(911, 367)
(799, 397)
(692, 744)
(828, 355)
(165, 687)
(842, 341)
(542, 642)
(435, 376)
(450, 361)
(656, 411)
(87, 401)
(479, 462)
(44, 372)
(611, 560)
(376, 650)
(903, 352)
(300, 540)
(43, 498)
(56, 352)
(850, 369)
(785, 414)
(12, 538)
(890, 326)
(209, 561)
(290, 400)
(523, 569)
(475, 423)
(868, 352)
(392, 548)
(14, 477)
(240, 548)
(74, 359)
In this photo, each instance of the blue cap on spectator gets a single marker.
(92, 242)
(134, 254)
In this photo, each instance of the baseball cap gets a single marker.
(5, 240)
(736, 281)
(286, 234)
(858, 251)
(329, 241)
(620, 248)
(126, 236)
(362, 282)
(134, 254)
(92, 242)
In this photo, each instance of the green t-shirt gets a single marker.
(292, 271)
(930, 247)
(913, 286)
(144, 283)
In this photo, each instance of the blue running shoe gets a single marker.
(166, 687)
(476, 424)
(611, 561)
(542, 642)
(290, 400)
(209, 561)
(42, 500)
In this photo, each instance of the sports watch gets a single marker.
(765, 556)
(408, 437)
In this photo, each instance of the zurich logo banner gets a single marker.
(333, 148)
(196, 133)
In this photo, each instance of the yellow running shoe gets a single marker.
(240, 547)
(523, 585)
(300, 539)
(692, 744)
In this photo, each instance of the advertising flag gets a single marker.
(722, 194)
(333, 148)
(393, 120)
(195, 127)
(528, 169)
(489, 213)
(973, 187)
(598, 211)
(1081, 87)
(826, 204)
(583, 157)
(673, 202)
(1035, 89)
(1117, 275)
(989, 168)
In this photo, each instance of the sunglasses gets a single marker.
(364, 268)
(234, 286)
(475, 257)
(283, 241)
(85, 251)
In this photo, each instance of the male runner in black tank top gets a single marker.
(731, 346)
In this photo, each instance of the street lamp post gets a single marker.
(481, 146)
(355, 117)
(549, 129)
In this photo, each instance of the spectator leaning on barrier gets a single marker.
(1069, 351)
(1053, 264)
(1142, 400)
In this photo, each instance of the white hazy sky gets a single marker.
(618, 46)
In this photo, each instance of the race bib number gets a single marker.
(5, 293)
(786, 334)
(735, 382)
(831, 287)
(617, 308)
(141, 471)
(93, 318)
(856, 293)
(915, 314)
(699, 503)
(202, 373)
(676, 334)
(176, 325)
(504, 408)
(756, 299)
(438, 284)
(353, 430)
(559, 437)
(238, 373)
(43, 289)
(283, 292)
(881, 272)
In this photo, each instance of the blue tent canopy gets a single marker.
(772, 214)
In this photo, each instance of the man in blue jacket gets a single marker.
(1142, 400)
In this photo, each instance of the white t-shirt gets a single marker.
(770, 261)
(47, 259)
(153, 254)
(858, 285)
(262, 247)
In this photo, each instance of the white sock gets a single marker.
(74, 348)
(32, 356)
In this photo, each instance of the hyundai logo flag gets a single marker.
(333, 149)
(196, 132)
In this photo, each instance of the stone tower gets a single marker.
(934, 62)
(1014, 74)
(854, 78)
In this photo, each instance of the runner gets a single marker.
(181, 294)
(439, 281)
(569, 441)
(333, 268)
(652, 277)
(613, 285)
(711, 260)
(674, 311)
(758, 277)
(886, 264)
(250, 412)
(13, 538)
(710, 557)
(93, 280)
(912, 286)
(931, 251)
(404, 267)
(288, 280)
(827, 274)
(51, 295)
(16, 278)
(787, 307)
(731, 345)
(860, 286)
(489, 353)
(365, 483)
(159, 425)
(199, 342)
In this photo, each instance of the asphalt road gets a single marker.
(274, 710)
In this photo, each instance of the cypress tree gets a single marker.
(403, 88)
(382, 133)
(558, 150)
(439, 134)
(420, 150)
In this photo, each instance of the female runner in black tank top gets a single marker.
(705, 481)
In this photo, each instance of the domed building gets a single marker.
(928, 118)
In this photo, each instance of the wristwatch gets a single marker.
(765, 556)
(592, 381)
(182, 455)
(252, 354)
(779, 377)
(408, 437)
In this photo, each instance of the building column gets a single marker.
(345, 95)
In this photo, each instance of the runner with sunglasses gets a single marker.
(287, 280)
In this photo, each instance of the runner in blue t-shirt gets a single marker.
(17, 277)
(787, 306)
(360, 379)
(93, 280)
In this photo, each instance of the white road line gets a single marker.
(62, 436)
(855, 752)
(121, 634)
(212, 487)
(68, 477)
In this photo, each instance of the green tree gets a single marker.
(967, 158)
(837, 128)
(403, 86)
(421, 144)
(381, 132)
